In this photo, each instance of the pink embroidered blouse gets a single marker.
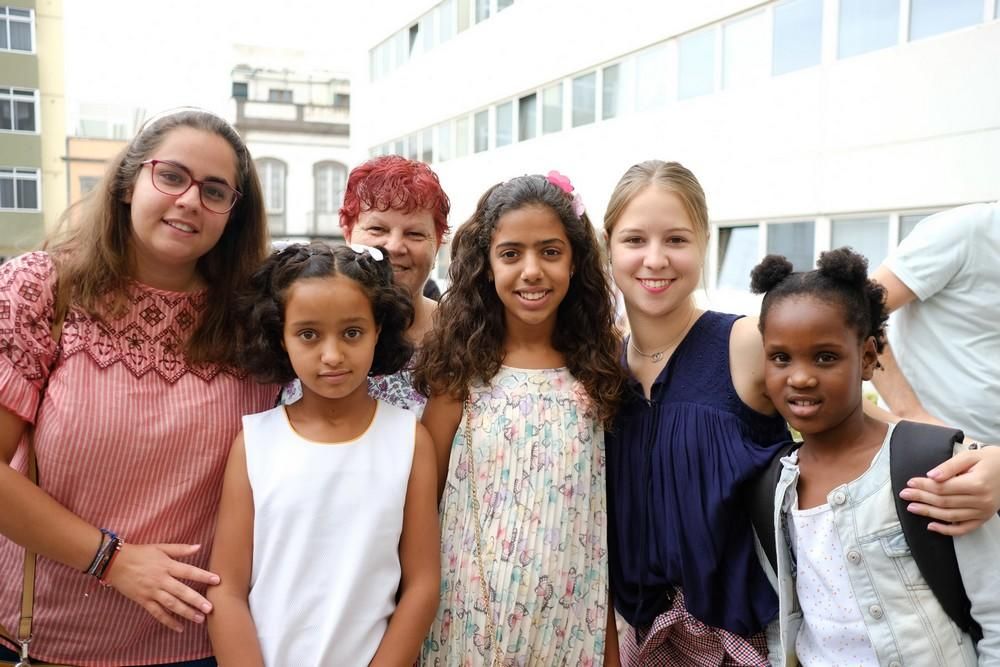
(129, 436)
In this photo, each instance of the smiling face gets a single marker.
(815, 364)
(656, 254)
(410, 239)
(170, 233)
(330, 335)
(531, 263)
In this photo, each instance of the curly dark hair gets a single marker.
(841, 278)
(261, 309)
(467, 342)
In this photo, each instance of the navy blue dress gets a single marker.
(676, 468)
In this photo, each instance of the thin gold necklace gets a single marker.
(657, 356)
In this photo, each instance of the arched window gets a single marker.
(272, 179)
(329, 179)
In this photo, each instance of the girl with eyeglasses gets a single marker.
(117, 376)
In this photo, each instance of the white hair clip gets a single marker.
(361, 249)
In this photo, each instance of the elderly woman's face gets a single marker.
(410, 240)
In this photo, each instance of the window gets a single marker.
(279, 95)
(611, 92)
(482, 10)
(428, 23)
(341, 101)
(651, 78)
(744, 50)
(505, 123)
(737, 256)
(240, 90)
(798, 35)
(462, 136)
(504, 4)
(932, 17)
(399, 147)
(868, 236)
(448, 22)
(18, 110)
(19, 189)
(88, 183)
(481, 128)
(463, 15)
(696, 64)
(867, 25)
(908, 222)
(329, 179)
(427, 145)
(552, 108)
(444, 141)
(527, 117)
(272, 180)
(584, 99)
(794, 240)
(16, 29)
(414, 39)
(411, 147)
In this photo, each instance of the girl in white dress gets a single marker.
(327, 539)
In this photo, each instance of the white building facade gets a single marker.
(810, 123)
(296, 123)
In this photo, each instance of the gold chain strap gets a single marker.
(484, 587)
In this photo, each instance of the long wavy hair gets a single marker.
(467, 341)
(92, 251)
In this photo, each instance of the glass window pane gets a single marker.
(737, 256)
(696, 64)
(908, 222)
(504, 4)
(444, 142)
(24, 116)
(448, 20)
(527, 117)
(427, 145)
(411, 147)
(20, 36)
(932, 17)
(794, 240)
(868, 236)
(482, 10)
(867, 25)
(462, 136)
(463, 15)
(610, 92)
(3, 33)
(651, 79)
(798, 35)
(27, 193)
(552, 109)
(399, 147)
(505, 123)
(744, 50)
(428, 29)
(6, 114)
(584, 99)
(482, 128)
(6, 192)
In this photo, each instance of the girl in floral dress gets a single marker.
(522, 372)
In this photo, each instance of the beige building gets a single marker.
(32, 122)
(86, 160)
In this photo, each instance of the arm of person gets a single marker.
(145, 573)
(977, 554)
(892, 385)
(442, 416)
(746, 365)
(612, 655)
(230, 625)
(419, 555)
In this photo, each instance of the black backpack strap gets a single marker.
(761, 499)
(914, 449)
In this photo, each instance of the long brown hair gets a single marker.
(91, 252)
(467, 342)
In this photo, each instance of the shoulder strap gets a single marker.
(762, 502)
(915, 448)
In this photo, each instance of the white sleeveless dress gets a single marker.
(327, 523)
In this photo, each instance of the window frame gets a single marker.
(16, 174)
(8, 95)
(30, 20)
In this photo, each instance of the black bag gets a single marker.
(914, 448)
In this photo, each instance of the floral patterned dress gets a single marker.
(538, 462)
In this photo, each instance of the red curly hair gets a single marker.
(394, 183)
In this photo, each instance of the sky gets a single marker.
(159, 55)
